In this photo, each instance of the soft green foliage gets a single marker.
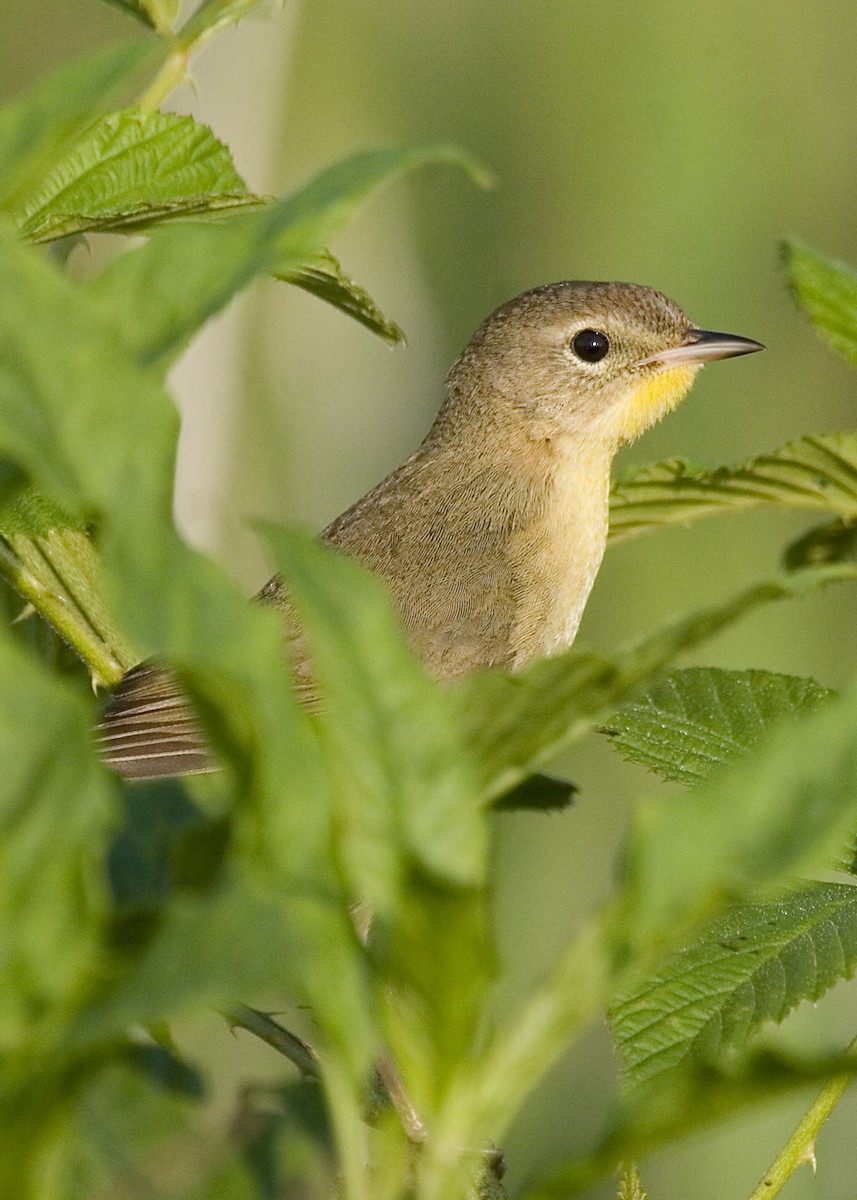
(818, 472)
(129, 170)
(126, 908)
(827, 289)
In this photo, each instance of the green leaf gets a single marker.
(827, 290)
(162, 292)
(516, 722)
(830, 543)
(753, 964)
(53, 904)
(403, 782)
(787, 811)
(35, 128)
(130, 170)
(537, 793)
(818, 472)
(325, 278)
(133, 9)
(212, 16)
(99, 435)
(687, 723)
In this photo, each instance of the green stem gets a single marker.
(64, 615)
(800, 1148)
(171, 74)
(267, 1029)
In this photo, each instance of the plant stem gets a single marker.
(171, 74)
(800, 1148)
(64, 614)
(264, 1027)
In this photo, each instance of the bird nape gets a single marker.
(489, 537)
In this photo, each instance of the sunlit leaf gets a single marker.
(818, 472)
(130, 170)
(35, 128)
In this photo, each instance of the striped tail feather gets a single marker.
(148, 730)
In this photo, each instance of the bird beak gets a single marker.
(702, 346)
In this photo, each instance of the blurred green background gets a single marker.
(663, 143)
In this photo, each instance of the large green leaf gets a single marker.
(818, 472)
(99, 434)
(407, 791)
(56, 807)
(751, 965)
(162, 292)
(688, 722)
(35, 128)
(130, 170)
(827, 289)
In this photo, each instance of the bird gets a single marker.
(489, 537)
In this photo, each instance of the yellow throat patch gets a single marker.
(653, 399)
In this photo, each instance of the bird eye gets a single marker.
(590, 344)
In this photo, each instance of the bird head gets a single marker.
(600, 361)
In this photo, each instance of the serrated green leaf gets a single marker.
(689, 722)
(326, 279)
(827, 290)
(753, 964)
(162, 292)
(514, 723)
(404, 784)
(130, 170)
(786, 811)
(35, 128)
(818, 472)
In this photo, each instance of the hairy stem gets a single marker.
(800, 1148)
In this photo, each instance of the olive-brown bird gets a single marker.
(490, 536)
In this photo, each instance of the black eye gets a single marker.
(590, 344)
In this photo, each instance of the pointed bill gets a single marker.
(702, 346)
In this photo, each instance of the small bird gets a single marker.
(490, 536)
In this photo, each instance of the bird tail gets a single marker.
(148, 729)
